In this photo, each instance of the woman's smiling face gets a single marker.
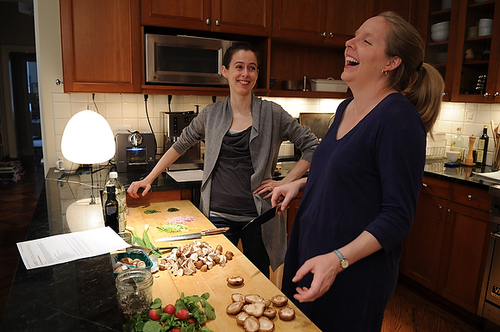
(242, 73)
(365, 56)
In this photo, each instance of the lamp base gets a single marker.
(85, 169)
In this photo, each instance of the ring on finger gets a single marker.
(270, 189)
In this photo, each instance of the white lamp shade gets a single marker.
(88, 139)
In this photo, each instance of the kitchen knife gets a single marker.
(263, 218)
(193, 235)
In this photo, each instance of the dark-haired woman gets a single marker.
(242, 137)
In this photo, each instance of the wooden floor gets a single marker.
(407, 311)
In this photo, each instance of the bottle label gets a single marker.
(480, 144)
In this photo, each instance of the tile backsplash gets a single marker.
(129, 112)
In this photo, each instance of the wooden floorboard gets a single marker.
(408, 310)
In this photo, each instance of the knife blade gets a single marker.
(193, 235)
(263, 218)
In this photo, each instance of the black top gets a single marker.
(231, 187)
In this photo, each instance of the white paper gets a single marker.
(490, 176)
(186, 176)
(68, 247)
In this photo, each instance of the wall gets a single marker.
(128, 112)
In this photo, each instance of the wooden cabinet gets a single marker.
(247, 17)
(101, 46)
(319, 20)
(467, 59)
(446, 248)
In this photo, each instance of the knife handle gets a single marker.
(215, 231)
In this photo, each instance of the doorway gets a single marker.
(26, 107)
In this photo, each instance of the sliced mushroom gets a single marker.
(270, 313)
(240, 318)
(286, 313)
(255, 309)
(234, 308)
(265, 325)
(238, 297)
(235, 280)
(279, 300)
(253, 298)
(251, 324)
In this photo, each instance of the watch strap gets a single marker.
(344, 263)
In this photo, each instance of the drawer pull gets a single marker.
(448, 215)
(440, 212)
(470, 197)
(425, 184)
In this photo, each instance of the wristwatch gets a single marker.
(343, 261)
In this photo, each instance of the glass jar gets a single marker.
(135, 295)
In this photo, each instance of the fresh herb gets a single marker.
(144, 241)
(172, 228)
(200, 311)
(151, 211)
(173, 209)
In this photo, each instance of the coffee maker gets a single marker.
(135, 151)
(173, 123)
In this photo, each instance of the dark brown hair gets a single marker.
(239, 46)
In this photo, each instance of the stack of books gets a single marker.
(10, 171)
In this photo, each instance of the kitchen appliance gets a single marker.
(318, 122)
(173, 123)
(489, 306)
(184, 60)
(135, 151)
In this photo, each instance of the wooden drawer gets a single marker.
(470, 196)
(435, 187)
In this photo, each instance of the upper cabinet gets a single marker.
(319, 20)
(247, 17)
(462, 43)
(101, 46)
(477, 52)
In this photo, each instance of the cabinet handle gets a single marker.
(217, 22)
(496, 94)
(424, 184)
(440, 212)
(59, 82)
(470, 197)
(323, 34)
(495, 235)
(445, 94)
(331, 34)
(486, 95)
(448, 215)
(207, 21)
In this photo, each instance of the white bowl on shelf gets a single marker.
(439, 36)
(441, 26)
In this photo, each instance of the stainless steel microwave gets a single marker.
(185, 60)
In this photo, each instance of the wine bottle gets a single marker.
(482, 147)
(111, 209)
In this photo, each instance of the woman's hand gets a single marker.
(134, 187)
(285, 193)
(266, 188)
(324, 269)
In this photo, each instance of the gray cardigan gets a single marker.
(271, 126)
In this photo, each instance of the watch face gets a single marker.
(344, 263)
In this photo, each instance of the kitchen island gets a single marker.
(81, 295)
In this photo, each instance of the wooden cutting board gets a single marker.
(168, 287)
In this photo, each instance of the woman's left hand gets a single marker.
(324, 269)
(266, 188)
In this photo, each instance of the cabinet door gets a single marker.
(464, 252)
(299, 19)
(185, 14)
(477, 54)
(248, 17)
(422, 248)
(101, 46)
(440, 49)
(342, 24)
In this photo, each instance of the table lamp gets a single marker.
(88, 139)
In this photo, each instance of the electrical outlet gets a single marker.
(470, 116)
